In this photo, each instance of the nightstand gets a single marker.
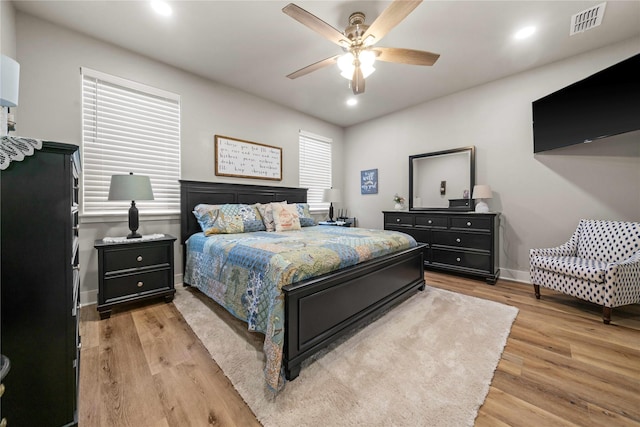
(134, 270)
(340, 222)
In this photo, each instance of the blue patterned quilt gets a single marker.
(245, 272)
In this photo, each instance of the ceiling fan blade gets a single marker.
(313, 67)
(316, 24)
(389, 18)
(357, 83)
(405, 56)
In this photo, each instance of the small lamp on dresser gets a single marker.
(480, 193)
(131, 187)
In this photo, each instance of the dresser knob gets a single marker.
(429, 221)
(458, 240)
(469, 223)
(397, 219)
(139, 259)
(458, 259)
(1, 389)
(140, 284)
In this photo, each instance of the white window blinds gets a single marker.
(315, 168)
(129, 127)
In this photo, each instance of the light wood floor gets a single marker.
(561, 366)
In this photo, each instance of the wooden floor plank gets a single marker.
(561, 366)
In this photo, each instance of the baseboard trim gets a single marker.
(515, 275)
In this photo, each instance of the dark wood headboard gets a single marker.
(216, 193)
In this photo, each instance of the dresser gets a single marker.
(40, 287)
(133, 270)
(459, 242)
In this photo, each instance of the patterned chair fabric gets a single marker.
(600, 263)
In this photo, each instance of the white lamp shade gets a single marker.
(130, 187)
(9, 81)
(482, 191)
(332, 195)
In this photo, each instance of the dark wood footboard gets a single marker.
(321, 310)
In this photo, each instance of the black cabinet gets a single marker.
(40, 287)
(460, 242)
(133, 270)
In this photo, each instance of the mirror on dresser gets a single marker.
(442, 179)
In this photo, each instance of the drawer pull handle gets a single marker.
(469, 223)
(430, 221)
(397, 219)
(458, 259)
(1, 389)
(458, 240)
(76, 267)
(139, 259)
(140, 284)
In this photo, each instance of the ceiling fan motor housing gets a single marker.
(356, 27)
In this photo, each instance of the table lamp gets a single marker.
(131, 187)
(331, 195)
(9, 82)
(481, 192)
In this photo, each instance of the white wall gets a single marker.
(541, 197)
(7, 29)
(50, 102)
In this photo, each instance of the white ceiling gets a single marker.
(253, 45)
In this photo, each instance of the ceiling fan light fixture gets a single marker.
(367, 70)
(345, 64)
(367, 58)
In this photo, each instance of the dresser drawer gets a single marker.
(136, 257)
(398, 219)
(462, 239)
(135, 284)
(431, 221)
(462, 259)
(471, 223)
(421, 236)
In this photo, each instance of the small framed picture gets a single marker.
(369, 181)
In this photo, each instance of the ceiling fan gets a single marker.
(357, 41)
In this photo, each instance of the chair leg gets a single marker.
(536, 289)
(606, 315)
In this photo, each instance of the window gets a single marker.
(129, 127)
(315, 168)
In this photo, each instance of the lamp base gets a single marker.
(481, 206)
(133, 221)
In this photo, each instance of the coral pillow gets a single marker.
(285, 217)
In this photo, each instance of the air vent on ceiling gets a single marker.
(587, 19)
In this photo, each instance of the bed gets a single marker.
(317, 310)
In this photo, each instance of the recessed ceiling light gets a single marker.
(524, 32)
(161, 7)
(351, 102)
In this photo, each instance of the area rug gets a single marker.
(426, 362)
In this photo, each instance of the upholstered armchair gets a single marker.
(600, 263)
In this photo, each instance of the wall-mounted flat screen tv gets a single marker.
(604, 104)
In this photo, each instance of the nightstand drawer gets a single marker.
(460, 239)
(462, 259)
(135, 284)
(136, 257)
